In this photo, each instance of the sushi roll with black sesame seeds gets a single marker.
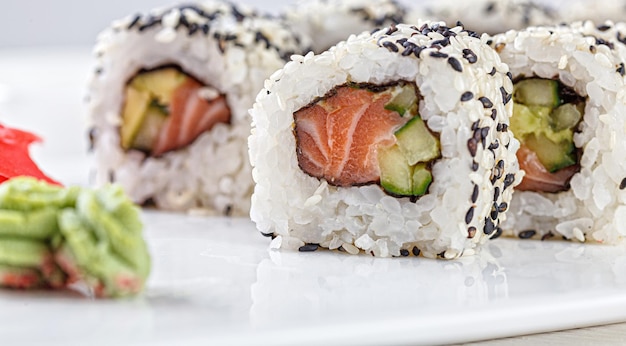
(389, 143)
(327, 22)
(489, 16)
(568, 114)
(169, 103)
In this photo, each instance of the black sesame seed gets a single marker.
(497, 234)
(484, 132)
(475, 125)
(205, 29)
(472, 145)
(529, 233)
(496, 193)
(269, 235)
(502, 207)
(493, 71)
(193, 28)
(486, 102)
(547, 236)
(456, 65)
(134, 21)
(391, 29)
(508, 180)
(475, 194)
(494, 114)
(604, 27)
(308, 247)
(469, 55)
(622, 184)
(621, 38)
(494, 146)
(489, 43)
(443, 42)
(490, 7)
(592, 49)
(510, 75)
(604, 42)
(416, 251)
(471, 232)
(438, 54)
(418, 50)
(391, 46)
(474, 166)
(402, 41)
(469, 215)
(404, 252)
(489, 226)
(468, 95)
(506, 97)
(621, 69)
(494, 212)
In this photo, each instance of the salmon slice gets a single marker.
(538, 178)
(337, 138)
(190, 116)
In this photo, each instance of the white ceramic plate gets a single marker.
(215, 281)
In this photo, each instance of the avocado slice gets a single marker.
(416, 142)
(552, 155)
(148, 96)
(403, 100)
(154, 119)
(537, 92)
(133, 114)
(526, 121)
(160, 83)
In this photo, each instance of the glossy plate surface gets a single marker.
(215, 280)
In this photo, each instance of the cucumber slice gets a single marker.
(552, 155)
(395, 172)
(416, 142)
(403, 100)
(421, 179)
(565, 116)
(537, 92)
(150, 128)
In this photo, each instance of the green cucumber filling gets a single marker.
(160, 114)
(546, 114)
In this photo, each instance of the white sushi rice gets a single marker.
(327, 22)
(594, 208)
(489, 16)
(227, 48)
(296, 208)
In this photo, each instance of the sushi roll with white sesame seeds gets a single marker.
(568, 114)
(169, 103)
(489, 16)
(327, 22)
(391, 143)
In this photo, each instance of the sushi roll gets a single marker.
(489, 16)
(169, 103)
(392, 143)
(568, 114)
(327, 22)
